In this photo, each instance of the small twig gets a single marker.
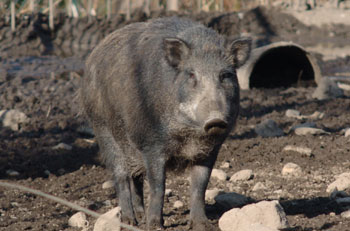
(62, 201)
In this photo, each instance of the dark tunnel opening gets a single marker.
(282, 67)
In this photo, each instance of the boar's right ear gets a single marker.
(240, 51)
(176, 50)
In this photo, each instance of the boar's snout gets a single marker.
(215, 127)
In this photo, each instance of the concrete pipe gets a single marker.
(280, 64)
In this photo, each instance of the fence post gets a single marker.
(13, 15)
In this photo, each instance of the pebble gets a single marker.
(292, 113)
(347, 132)
(242, 175)
(62, 146)
(108, 184)
(109, 221)
(301, 150)
(11, 172)
(219, 174)
(231, 200)
(258, 186)
(225, 165)
(291, 169)
(168, 192)
(78, 220)
(345, 214)
(302, 131)
(13, 118)
(178, 204)
(262, 216)
(268, 128)
(210, 194)
(341, 183)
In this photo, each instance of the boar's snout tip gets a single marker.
(215, 127)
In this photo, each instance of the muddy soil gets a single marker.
(42, 81)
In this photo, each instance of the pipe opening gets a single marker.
(282, 67)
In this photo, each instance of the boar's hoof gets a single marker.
(215, 127)
(203, 225)
(154, 224)
(128, 220)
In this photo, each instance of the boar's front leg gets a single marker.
(200, 175)
(155, 170)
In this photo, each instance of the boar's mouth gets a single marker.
(215, 127)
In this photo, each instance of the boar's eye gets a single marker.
(226, 76)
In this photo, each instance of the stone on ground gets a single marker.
(62, 146)
(327, 89)
(231, 200)
(262, 216)
(268, 128)
(13, 119)
(108, 184)
(341, 183)
(219, 174)
(178, 204)
(210, 194)
(291, 169)
(302, 131)
(258, 186)
(109, 221)
(301, 150)
(242, 175)
(78, 220)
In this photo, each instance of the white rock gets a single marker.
(242, 175)
(292, 113)
(13, 118)
(341, 183)
(268, 128)
(178, 204)
(305, 125)
(210, 194)
(347, 132)
(327, 89)
(168, 192)
(11, 172)
(219, 174)
(302, 131)
(301, 150)
(258, 186)
(225, 165)
(78, 220)
(345, 87)
(345, 214)
(262, 216)
(231, 200)
(108, 184)
(291, 169)
(62, 146)
(109, 221)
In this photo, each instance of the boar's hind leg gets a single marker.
(200, 175)
(114, 157)
(155, 170)
(137, 197)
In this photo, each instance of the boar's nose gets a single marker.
(215, 127)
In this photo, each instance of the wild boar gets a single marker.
(160, 91)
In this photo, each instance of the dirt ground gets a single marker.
(43, 86)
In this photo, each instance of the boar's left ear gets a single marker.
(176, 50)
(240, 51)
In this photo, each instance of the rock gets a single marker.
(108, 184)
(231, 200)
(11, 172)
(291, 169)
(344, 86)
(13, 119)
(78, 220)
(338, 194)
(62, 146)
(242, 175)
(347, 132)
(109, 221)
(219, 174)
(341, 183)
(210, 194)
(345, 214)
(292, 113)
(302, 131)
(225, 165)
(258, 186)
(301, 150)
(262, 216)
(268, 128)
(178, 204)
(168, 192)
(327, 89)
(304, 125)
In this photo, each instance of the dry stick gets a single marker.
(13, 15)
(62, 201)
(51, 25)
